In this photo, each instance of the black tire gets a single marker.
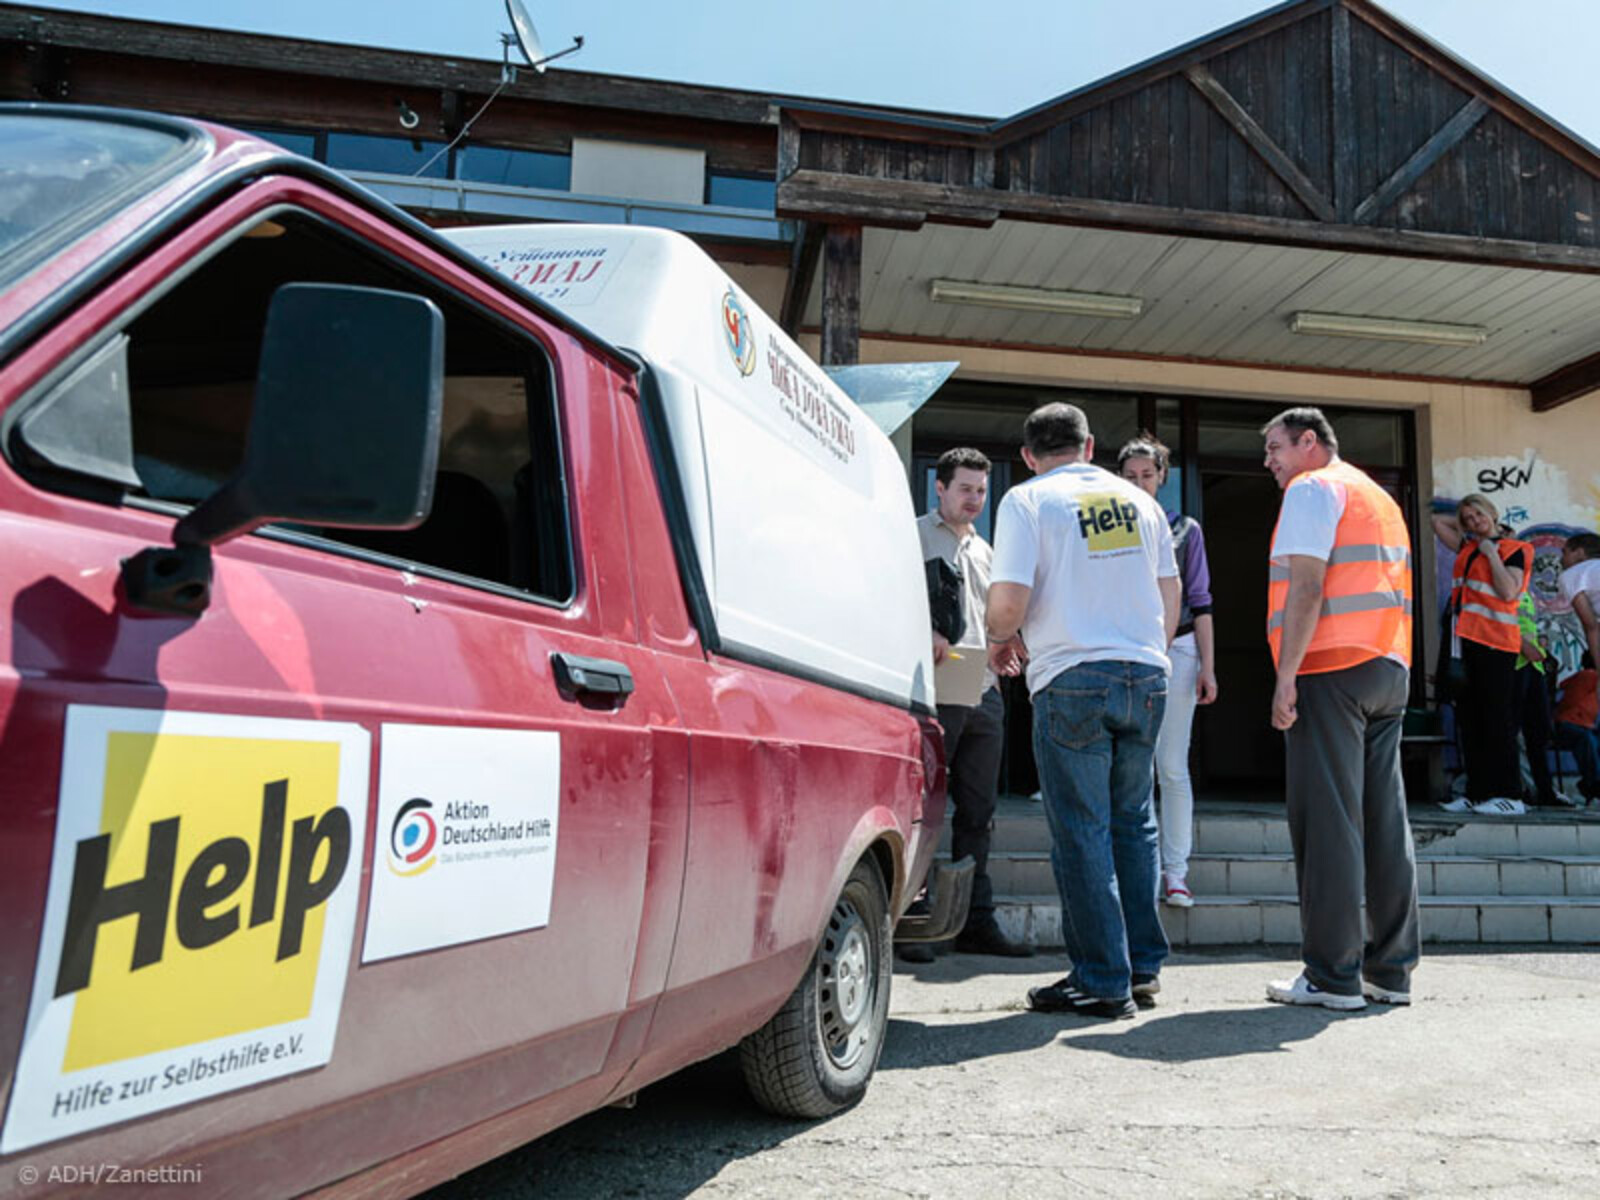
(816, 1055)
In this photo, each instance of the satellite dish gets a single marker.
(526, 39)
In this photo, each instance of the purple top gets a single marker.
(1189, 543)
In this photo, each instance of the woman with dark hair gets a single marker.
(1144, 462)
(1491, 573)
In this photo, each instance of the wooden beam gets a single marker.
(1343, 113)
(841, 296)
(1256, 138)
(824, 195)
(1447, 138)
(788, 148)
(150, 40)
(1566, 384)
(892, 126)
(802, 269)
(1506, 103)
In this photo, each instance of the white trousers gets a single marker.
(1172, 759)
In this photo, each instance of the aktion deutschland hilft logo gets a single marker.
(413, 838)
(741, 334)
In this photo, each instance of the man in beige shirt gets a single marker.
(974, 734)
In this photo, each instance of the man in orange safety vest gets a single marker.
(1339, 625)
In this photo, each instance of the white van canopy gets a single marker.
(798, 513)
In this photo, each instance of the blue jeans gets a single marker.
(1094, 737)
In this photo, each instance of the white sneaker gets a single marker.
(1175, 892)
(1380, 995)
(1459, 804)
(1302, 991)
(1501, 806)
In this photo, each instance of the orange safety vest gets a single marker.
(1366, 594)
(1482, 616)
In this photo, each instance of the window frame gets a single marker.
(304, 205)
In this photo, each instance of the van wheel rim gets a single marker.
(846, 986)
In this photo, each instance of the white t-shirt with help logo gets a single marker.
(1091, 546)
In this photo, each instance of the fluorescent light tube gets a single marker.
(1031, 299)
(1387, 329)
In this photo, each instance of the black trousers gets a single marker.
(1533, 717)
(1487, 714)
(973, 739)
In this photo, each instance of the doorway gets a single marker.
(1233, 741)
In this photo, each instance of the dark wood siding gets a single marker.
(1282, 81)
(1165, 143)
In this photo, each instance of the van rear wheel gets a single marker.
(817, 1054)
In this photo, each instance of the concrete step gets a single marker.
(1027, 873)
(1252, 920)
(1261, 828)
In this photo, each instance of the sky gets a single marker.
(952, 56)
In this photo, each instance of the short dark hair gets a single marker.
(1145, 445)
(1055, 428)
(954, 459)
(1298, 420)
(1587, 544)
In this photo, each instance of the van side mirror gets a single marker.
(344, 431)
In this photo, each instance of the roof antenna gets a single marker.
(526, 39)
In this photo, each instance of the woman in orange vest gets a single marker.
(1490, 575)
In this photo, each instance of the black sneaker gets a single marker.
(984, 937)
(1063, 996)
(1145, 988)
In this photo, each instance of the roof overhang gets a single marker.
(1231, 301)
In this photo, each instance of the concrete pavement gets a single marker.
(1489, 1085)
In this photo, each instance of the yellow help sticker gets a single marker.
(200, 916)
(223, 850)
(1108, 522)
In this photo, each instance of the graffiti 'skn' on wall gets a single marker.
(1544, 507)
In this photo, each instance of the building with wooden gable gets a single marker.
(1316, 205)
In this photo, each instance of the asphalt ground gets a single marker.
(1488, 1085)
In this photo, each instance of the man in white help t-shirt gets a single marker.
(1083, 567)
(1580, 584)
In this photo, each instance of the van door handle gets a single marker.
(577, 676)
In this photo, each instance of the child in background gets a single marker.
(1576, 715)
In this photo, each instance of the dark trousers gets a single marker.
(1533, 717)
(1586, 750)
(973, 739)
(1486, 713)
(1348, 828)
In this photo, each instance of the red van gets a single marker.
(424, 719)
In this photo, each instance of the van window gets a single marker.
(499, 510)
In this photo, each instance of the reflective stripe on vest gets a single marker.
(1366, 591)
(1350, 554)
(1482, 615)
(1368, 602)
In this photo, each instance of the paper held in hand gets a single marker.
(959, 678)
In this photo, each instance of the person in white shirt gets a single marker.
(1084, 569)
(974, 734)
(1580, 584)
